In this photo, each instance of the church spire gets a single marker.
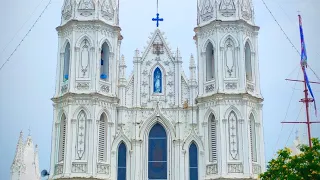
(18, 158)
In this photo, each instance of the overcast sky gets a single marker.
(28, 79)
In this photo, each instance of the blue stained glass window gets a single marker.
(122, 162)
(193, 161)
(157, 81)
(157, 165)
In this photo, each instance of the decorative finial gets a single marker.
(29, 131)
(157, 18)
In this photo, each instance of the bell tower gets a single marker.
(86, 92)
(229, 96)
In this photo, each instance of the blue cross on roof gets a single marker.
(157, 19)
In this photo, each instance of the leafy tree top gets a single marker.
(304, 166)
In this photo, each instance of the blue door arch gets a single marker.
(157, 153)
(193, 161)
(122, 162)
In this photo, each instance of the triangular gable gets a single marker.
(157, 37)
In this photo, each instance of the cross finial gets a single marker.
(157, 18)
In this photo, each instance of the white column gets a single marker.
(224, 148)
(137, 165)
(68, 145)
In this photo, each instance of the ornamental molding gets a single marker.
(212, 169)
(235, 168)
(78, 167)
(83, 85)
(103, 168)
(58, 169)
(256, 168)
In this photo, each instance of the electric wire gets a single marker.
(274, 18)
(293, 126)
(6, 46)
(282, 125)
(25, 35)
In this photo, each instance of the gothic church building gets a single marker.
(157, 124)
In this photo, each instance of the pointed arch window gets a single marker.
(212, 139)
(62, 138)
(122, 162)
(248, 63)
(157, 153)
(104, 63)
(209, 62)
(66, 62)
(157, 81)
(253, 139)
(103, 138)
(193, 161)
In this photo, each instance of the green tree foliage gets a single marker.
(305, 166)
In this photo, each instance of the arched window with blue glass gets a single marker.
(157, 153)
(66, 62)
(157, 80)
(193, 161)
(104, 62)
(122, 162)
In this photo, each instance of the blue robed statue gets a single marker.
(157, 81)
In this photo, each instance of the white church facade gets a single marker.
(157, 124)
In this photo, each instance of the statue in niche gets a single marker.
(157, 81)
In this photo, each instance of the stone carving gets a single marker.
(81, 135)
(166, 63)
(86, 7)
(67, 10)
(232, 85)
(170, 83)
(256, 169)
(145, 72)
(107, 10)
(79, 167)
(148, 63)
(64, 88)
(144, 94)
(235, 168)
(58, 169)
(230, 58)
(170, 73)
(227, 8)
(103, 168)
(83, 86)
(233, 135)
(170, 94)
(185, 91)
(210, 88)
(246, 9)
(250, 87)
(207, 11)
(84, 58)
(105, 88)
(144, 83)
(212, 169)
